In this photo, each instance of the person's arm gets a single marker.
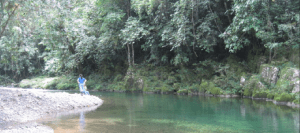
(85, 81)
(78, 81)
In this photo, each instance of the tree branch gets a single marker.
(215, 19)
(227, 14)
(9, 16)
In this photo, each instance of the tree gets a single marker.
(134, 30)
(274, 23)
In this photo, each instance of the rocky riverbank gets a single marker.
(20, 108)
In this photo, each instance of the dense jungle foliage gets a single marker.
(155, 44)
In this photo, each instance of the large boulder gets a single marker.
(253, 85)
(269, 73)
(139, 83)
(133, 81)
(242, 81)
(289, 79)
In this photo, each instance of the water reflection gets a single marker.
(82, 122)
(137, 113)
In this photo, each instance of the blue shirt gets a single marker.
(81, 80)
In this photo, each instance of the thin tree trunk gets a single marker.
(270, 57)
(274, 55)
(128, 8)
(9, 16)
(128, 55)
(227, 13)
(214, 18)
(195, 41)
(197, 11)
(132, 50)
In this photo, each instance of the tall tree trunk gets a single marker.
(128, 55)
(227, 13)
(132, 53)
(270, 56)
(197, 11)
(214, 18)
(128, 8)
(194, 32)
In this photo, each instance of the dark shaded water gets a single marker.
(146, 113)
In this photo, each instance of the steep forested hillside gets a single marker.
(155, 44)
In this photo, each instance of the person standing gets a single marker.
(81, 82)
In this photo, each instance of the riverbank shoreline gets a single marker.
(289, 104)
(22, 109)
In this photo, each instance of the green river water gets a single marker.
(155, 113)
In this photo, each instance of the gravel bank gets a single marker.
(19, 106)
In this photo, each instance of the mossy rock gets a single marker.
(253, 86)
(296, 101)
(260, 95)
(284, 85)
(289, 79)
(215, 91)
(269, 73)
(284, 97)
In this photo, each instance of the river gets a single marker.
(155, 113)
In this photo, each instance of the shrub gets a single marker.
(182, 91)
(62, 86)
(163, 88)
(284, 97)
(297, 101)
(98, 87)
(215, 91)
(260, 95)
(270, 96)
(117, 78)
(248, 92)
(52, 85)
(203, 86)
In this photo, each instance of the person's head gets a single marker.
(80, 75)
